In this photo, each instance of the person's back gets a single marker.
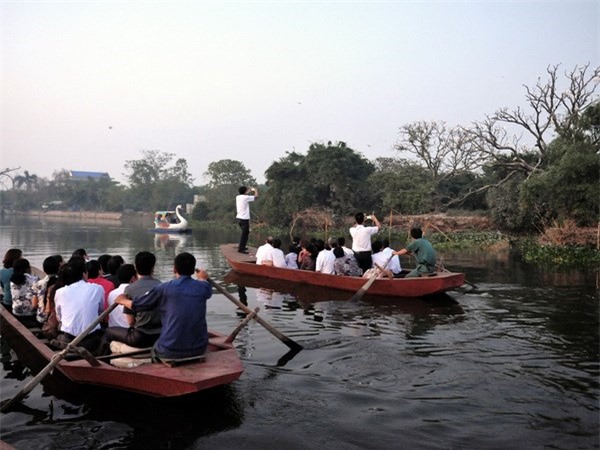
(182, 303)
(264, 252)
(345, 264)
(94, 270)
(325, 259)
(117, 317)
(277, 255)
(291, 259)
(113, 264)
(21, 289)
(6, 272)
(78, 304)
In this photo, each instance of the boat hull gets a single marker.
(397, 287)
(221, 366)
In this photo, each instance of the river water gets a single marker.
(513, 363)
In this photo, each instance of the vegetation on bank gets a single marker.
(527, 169)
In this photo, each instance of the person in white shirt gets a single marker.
(278, 258)
(242, 204)
(342, 245)
(264, 252)
(291, 259)
(381, 259)
(117, 317)
(78, 305)
(394, 264)
(326, 258)
(361, 240)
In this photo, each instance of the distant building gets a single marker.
(80, 175)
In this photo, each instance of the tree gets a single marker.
(228, 172)
(551, 113)
(445, 153)
(331, 176)
(154, 184)
(27, 179)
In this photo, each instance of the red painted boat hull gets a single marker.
(397, 287)
(222, 366)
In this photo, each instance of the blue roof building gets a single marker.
(80, 175)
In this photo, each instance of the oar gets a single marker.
(55, 360)
(275, 332)
(362, 291)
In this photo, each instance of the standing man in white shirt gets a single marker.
(242, 203)
(361, 240)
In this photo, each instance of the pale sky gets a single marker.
(251, 80)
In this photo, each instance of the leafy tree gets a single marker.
(27, 179)
(329, 176)
(228, 172)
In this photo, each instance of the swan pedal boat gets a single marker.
(163, 222)
(437, 283)
(221, 365)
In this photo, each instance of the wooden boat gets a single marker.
(222, 365)
(397, 287)
(170, 222)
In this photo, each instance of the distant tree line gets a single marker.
(527, 168)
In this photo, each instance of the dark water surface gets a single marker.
(512, 364)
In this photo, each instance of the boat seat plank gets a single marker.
(181, 361)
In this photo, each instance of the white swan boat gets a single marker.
(170, 222)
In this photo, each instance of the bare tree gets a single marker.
(5, 175)
(443, 151)
(550, 113)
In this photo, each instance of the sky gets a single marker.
(89, 85)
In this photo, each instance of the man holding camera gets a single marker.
(242, 203)
(361, 240)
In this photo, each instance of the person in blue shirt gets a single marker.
(182, 305)
(6, 272)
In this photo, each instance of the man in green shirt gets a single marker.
(423, 252)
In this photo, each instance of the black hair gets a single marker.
(103, 260)
(293, 249)
(145, 262)
(11, 256)
(242, 190)
(80, 252)
(114, 263)
(74, 270)
(359, 217)
(416, 233)
(320, 244)
(20, 268)
(93, 268)
(185, 264)
(51, 265)
(338, 252)
(376, 246)
(125, 273)
(276, 243)
(386, 243)
(341, 241)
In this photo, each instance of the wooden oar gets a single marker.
(274, 331)
(55, 360)
(363, 290)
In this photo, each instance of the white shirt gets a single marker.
(382, 257)
(264, 253)
(347, 251)
(325, 262)
(242, 204)
(291, 260)
(394, 264)
(78, 305)
(117, 317)
(361, 237)
(278, 258)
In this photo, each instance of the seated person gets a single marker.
(117, 317)
(78, 305)
(182, 303)
(144, 326)
(263, 253)
(325, 258)
(40, 288)
(308, 256)
(345, 264)
(394, 264)
(277, 256)
(94, 271)
(21, 291)
(381, 260)
(423, 252)
(291, 259)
